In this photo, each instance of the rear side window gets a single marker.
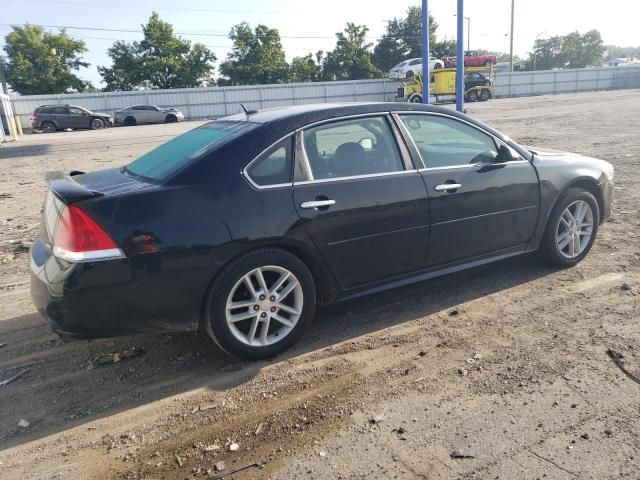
(273, 167)
(59, 110)
(161, 162)
(43, 110)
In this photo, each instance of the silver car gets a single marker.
(147, 114)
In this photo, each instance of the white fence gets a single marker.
(523, 84)
(219, 101)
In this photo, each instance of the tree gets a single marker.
(160, 60)
(40, 62)
(614, 51)
(257, 57)
(307, 68)
(568, 51)
(403, 39)
(444, 48)
(351, 59)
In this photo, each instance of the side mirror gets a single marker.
(505, 154)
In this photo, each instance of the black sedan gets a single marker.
(243, 225)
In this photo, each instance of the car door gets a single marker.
(154, 114)
(362, 201)
(60, 115)
(481, 202)
(140, 113)
(78, 118)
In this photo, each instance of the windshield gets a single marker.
(161, 162)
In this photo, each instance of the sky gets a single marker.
(209, 21)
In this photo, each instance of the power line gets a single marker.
(202, 33)
(112, 5)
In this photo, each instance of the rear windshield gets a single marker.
(158, 164)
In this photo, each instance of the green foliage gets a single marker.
(257, 57)
(160, 60)
(351, 59)
(40, 62)
(444, 48)
(613, 51)
(403, 39)
(306, 69)
(568, 51)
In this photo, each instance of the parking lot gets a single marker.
(505, 363)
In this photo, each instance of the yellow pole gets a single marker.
(12, 128)
(18, 125)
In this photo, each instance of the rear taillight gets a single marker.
(34, 117)
(78, 238)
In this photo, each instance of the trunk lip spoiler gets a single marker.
(67, 189)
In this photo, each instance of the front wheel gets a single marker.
(260, 304)
(96, 124)
(410, 74)
(484, 95)
(415, 98)
(472, 96)
(571, 229)
(171, 118)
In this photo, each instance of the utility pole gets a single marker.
(511, 38)
(468, 19)
(460, 58)
(426, 78)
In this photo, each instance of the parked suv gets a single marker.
(50, 118)
(147, 114)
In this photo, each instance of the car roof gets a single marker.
(301, 115)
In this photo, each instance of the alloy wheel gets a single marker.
(264, 306)
(575, 229)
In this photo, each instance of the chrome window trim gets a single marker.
(495, 139)
(382, 114)
(356, 177)
(245, 173)
(469, 165)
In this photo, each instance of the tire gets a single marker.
(170, 118)
(472, 96)
(484, 95)
(48, 127)
(234, 337)
(437, 66)
(410, 74)
(487, 64)
(130, 121)
(415, 98)
(96, 124)
(551, 246)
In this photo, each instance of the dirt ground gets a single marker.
(507, 363)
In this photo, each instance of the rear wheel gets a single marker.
(484, 95)
(130, 121)
(97, 124)
(571, 229)
(260, 304)
(487, 64)
(48, 127)
(415, 98)
(171, 118)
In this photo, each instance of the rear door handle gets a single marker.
(445, 187)
(317, 203)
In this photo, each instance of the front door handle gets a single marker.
(445, 187)
(317, 204)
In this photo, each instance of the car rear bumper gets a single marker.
(100, 299)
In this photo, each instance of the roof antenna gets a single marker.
(248, 112)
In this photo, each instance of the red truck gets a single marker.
(472, 58)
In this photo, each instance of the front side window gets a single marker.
(273, 167)
(446, 142)
(362, 146)
(163, 161)
(76, 111)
